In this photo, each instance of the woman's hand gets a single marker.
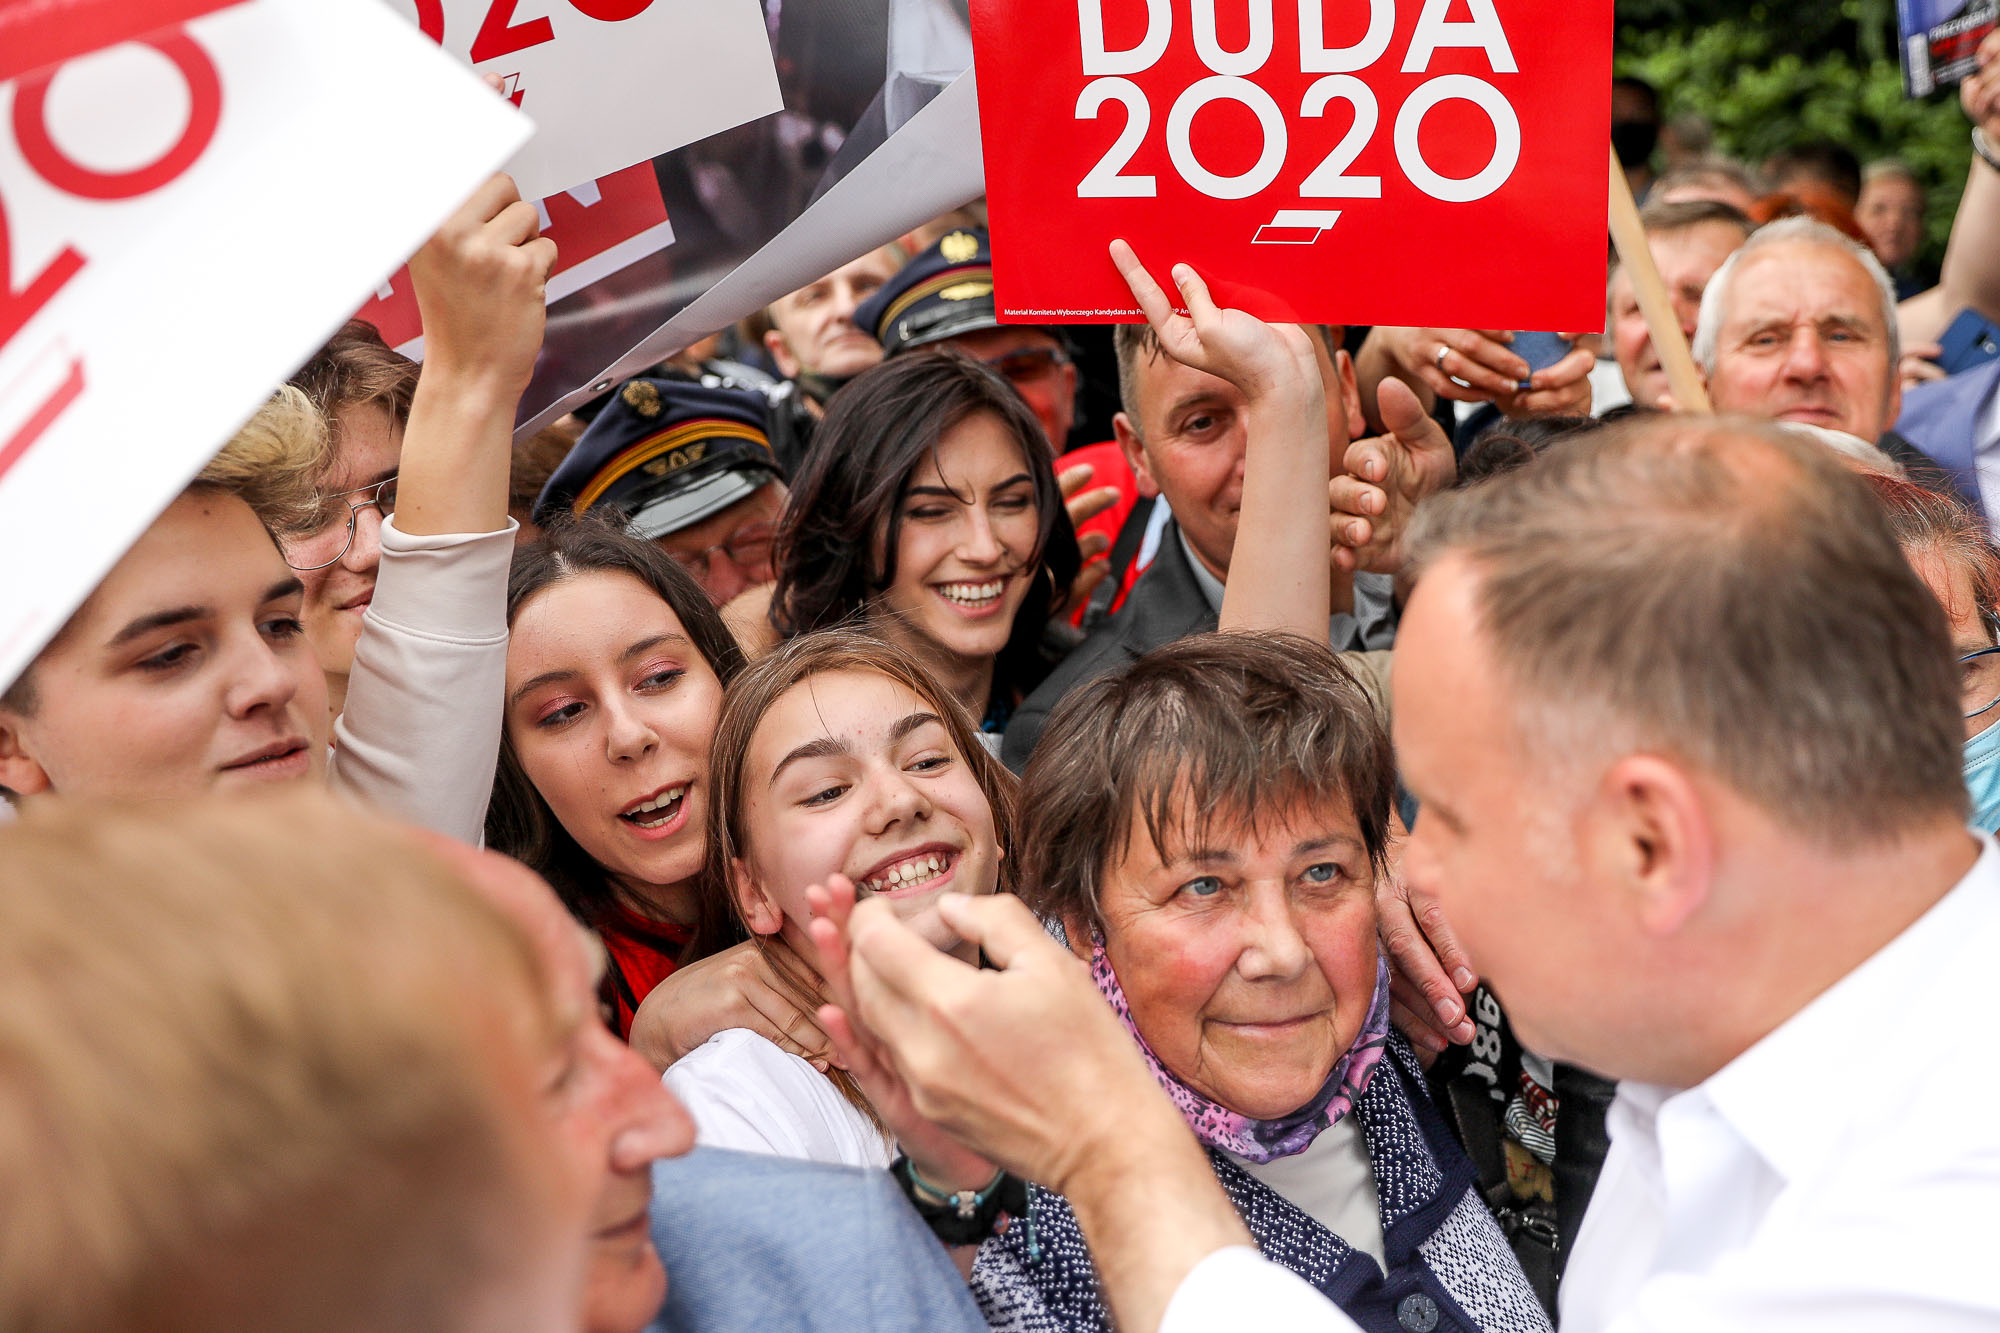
(938, 1157)
(1256, 357)
(737, 988)
(1084, 504)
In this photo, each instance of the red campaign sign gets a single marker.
(38, 33)
(1351, 163)
(598, 228)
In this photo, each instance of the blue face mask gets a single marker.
(1982, 778)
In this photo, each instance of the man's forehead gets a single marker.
(1798, 274)
(1165, 385)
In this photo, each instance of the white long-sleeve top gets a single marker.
(419, 736)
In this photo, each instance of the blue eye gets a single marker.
(1204, 886)
(1324, 873)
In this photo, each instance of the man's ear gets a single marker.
(1350, 395)
(759, 913)
(781, 354)
(1654, 841)
(19, 773)
(1134, 450)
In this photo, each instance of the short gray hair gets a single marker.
(1692, 586)
(1790, 231)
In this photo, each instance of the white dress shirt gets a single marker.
(1841, 1175)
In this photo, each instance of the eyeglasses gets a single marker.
(1029, 364)
(301, 553)
(1979, 679)
(748, 547)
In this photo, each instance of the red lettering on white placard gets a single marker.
(31, 129)
(38, 147)
(500, 36)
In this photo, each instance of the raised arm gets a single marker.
(419, 734)
(1971, 276)
(479, 285)
(1279, 579)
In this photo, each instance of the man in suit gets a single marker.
(1185, 434)
(1956, 421)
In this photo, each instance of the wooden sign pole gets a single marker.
(1669, 343)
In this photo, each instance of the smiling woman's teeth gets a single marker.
(667, 804)
(914, 871)
(973, 594)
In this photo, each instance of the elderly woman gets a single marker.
(1207, 828)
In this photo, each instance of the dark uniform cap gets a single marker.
(945, 291)
(666, 454)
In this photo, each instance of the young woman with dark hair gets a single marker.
(928, 509)
(615, 670)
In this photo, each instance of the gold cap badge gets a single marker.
(958, 247)
(642, 398)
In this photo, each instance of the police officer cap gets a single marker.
(945, 291)
(666, 454)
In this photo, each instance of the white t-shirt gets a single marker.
(746, 1094)
(1333, 1183)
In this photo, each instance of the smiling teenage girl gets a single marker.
(837, 756)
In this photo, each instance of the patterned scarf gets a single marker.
(1262, 1140)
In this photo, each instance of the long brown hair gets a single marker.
(748, 699)
(518, 820)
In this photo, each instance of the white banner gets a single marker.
(183, 218)
(610, 82)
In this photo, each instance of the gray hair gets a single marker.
(1691, 586)
(1789, 231)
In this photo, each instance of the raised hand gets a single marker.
(1083, 504)
(1256, 357)
(480, 285)
(1979, 94)
(1384, 479)
(937, 1156)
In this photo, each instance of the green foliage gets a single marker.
(1777, 73)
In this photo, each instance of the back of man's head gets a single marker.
(1718, 591)
(266, 1065)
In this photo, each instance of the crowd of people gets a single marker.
(831, 835)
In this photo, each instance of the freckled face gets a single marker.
(1249, 963)
(610, 709)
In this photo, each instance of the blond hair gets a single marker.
(248, 1057)
(274, 462)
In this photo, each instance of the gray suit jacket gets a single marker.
(759, 1244)
(1164, 605)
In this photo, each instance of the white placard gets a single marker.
(610, 82)
(183, 219)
